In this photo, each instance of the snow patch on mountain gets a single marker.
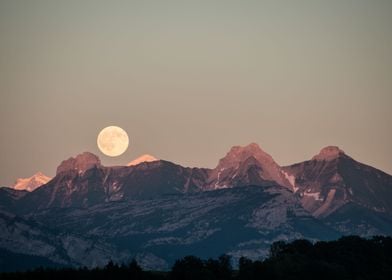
(291, 179)
(141, 159)
(315, 195)
(31, 183)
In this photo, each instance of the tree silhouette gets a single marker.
(350, 257)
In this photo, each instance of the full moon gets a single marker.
(113, 141)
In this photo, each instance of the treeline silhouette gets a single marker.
(350, 257)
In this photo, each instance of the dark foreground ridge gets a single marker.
(350, 257)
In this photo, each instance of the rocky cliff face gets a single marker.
(248, 165)
(332, 179)
(80, 163)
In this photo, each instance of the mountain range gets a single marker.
(157, 211)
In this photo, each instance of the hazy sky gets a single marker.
(189, 79)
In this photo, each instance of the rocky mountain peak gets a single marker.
(81, 162)
(246, 165)
(329, 153)
(239, 154)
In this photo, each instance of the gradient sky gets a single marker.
(189, 79)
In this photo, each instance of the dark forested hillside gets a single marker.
(350, 257)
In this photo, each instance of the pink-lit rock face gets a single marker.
(81, 163)
(31, 183)
(238, 154)
(246, 165)
(329, 153)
